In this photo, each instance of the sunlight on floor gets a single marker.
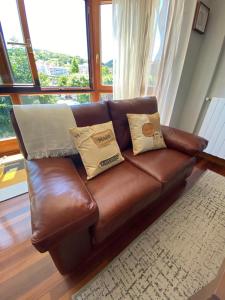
(13, 179)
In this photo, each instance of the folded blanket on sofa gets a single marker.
(45, 129)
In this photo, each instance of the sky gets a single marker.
(56, 25)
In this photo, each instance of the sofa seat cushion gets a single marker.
(166, 165)
(120, 193)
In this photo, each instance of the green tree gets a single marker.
(74, 66)
(6, 129)
(107, 77)
(77, 81)
(83, 98)
(40, 99)
(61, 59)
(62, 81)
(20, 66)
(44, 79)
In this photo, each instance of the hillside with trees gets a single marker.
(73, 78)
(22, 74)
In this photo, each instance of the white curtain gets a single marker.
(133, 24)
(151, 39)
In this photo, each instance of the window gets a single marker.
(6, 129)
(59, 41)
(53, 52)
(69, 99)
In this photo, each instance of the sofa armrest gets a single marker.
(60, 201)
(183, 141)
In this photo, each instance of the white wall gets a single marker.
(186, 77)
(199, 67)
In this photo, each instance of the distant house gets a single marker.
(42, 67)
(50, 69)
(58, 71)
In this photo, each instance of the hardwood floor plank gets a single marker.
(9, 258)
(20, 266)
(15, 233)
(14, 203)
(11, 214)
(20, 284)
(41, 291)
(15, 250)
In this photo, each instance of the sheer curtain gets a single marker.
(151, 39)
(133, 26)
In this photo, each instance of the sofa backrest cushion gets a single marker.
(118, 110)
(91, 113)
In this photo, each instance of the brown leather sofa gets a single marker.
(71, 217)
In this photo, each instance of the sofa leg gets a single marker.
(71, 250)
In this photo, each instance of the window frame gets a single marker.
(95, 15)
(96, 88)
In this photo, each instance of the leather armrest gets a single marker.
(183, 141)
(60, 201)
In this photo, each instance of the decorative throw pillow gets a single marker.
(145, 132)
(98, 147)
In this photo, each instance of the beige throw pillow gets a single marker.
(145, 132)
(98, 147)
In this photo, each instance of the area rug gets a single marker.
(13, 179)
(176, 256)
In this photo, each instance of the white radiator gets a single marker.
(213, 127)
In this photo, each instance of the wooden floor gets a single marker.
(27, 274)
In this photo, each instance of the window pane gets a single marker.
(59, 40)
(6, 129)
(106, 97)
(11, 33)
(106, 44)
(69, 99)
(19, 64)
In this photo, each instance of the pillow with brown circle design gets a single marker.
(98, 147)
(145, 132)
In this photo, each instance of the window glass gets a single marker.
(106, 97)
(59, 40)
(106, 44)
(19, 64)
(13, 43)
(69, 99)
(6, 129)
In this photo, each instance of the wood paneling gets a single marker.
(28, 274)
